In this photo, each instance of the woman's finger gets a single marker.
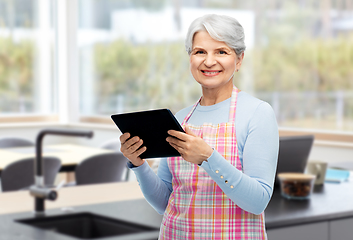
(180, 135)
(126, 146)
(131, 142)
(124, 137)
(137, 153)
(178, 148)
(136, 146)
(175, 141)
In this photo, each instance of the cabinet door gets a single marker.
(341, 229)
(313, 231)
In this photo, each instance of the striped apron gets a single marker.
(198, 208)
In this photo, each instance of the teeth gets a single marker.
(211, 72)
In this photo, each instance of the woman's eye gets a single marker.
(222, 52)
(199, 52)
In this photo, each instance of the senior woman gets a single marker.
(223, 181)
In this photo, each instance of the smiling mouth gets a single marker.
(210, 73)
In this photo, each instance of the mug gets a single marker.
(317, 168)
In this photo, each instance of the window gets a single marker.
(298, 57)
(129, 55)
(27, 41)
(132, 57)
(301, 62)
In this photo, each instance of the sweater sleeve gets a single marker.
(155, 188)
(251, 189)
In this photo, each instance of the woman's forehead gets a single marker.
(203, 39)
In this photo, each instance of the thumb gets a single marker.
(189, 131)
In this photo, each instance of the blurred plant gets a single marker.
(16, 70)
(291, 60)
(306, 65)
(148, 76)
(157, 76)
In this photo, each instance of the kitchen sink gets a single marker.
(86, 225)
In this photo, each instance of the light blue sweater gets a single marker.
(257, 138)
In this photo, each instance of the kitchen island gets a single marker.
(328, 215)
(123, 201)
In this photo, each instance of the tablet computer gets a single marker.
(152, 127)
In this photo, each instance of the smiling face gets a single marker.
(213, 63)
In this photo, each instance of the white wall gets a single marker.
(331, 154)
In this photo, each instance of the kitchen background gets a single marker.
(71, 64)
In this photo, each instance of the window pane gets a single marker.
(298, 58)
(132, 58)
(26, 57)
(302, 62)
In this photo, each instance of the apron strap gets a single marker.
(233, 104)
(186, 119)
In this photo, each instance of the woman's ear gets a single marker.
(240, 60)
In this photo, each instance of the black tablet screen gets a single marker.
(152, 127)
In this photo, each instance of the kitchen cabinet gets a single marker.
(341, 229)
(326, 215)
(313, 231)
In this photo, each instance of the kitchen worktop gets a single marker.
(134, 211)
(328, 202)
(125, 201)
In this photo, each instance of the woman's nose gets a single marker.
(210, 60)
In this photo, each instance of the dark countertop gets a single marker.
(328, 202)
(135, 211)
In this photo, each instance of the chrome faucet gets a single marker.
(38, 190)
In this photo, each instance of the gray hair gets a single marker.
(221, 28)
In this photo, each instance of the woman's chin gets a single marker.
(215, 85)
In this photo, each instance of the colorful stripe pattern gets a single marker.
(198, 209)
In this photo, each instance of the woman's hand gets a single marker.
(191, 147)
(130, 149)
